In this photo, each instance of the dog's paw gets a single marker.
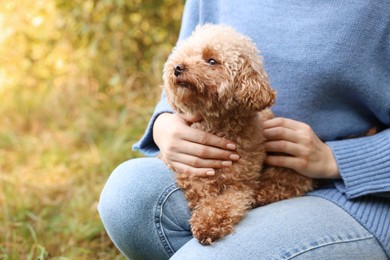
(207, 236)
(208, 230)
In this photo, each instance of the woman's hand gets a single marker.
(297, 147)
(189, 150)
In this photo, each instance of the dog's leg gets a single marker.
(215, 217)
(280, 183)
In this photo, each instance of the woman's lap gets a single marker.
(146, 216)
(128, 205)
(301, 228)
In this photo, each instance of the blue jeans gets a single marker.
(146, 216)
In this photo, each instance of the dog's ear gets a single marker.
(252, 88)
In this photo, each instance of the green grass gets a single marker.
(57, 149)
(78, 83)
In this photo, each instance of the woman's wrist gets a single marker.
(332, 170)
(157, 126)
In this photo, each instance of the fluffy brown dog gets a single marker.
(218, 73)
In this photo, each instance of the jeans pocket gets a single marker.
(171, 219)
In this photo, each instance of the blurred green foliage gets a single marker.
(108, 39)
(123, 37)
(78, 83)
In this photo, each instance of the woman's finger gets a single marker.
(191, 118)
(197, 162)
(295, 163)
(205, 152)
(182, 168)
(281, 133)
(284, 147)
(201, 137)
(284, 122)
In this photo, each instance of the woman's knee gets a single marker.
(127, 204)
(132, 183)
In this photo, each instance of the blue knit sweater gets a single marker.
(330, 65)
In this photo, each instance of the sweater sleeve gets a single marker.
(364, 165)
(146, 144)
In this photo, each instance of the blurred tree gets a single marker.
(78, 82)
(121, 37)
(109, 41)
(114, 49)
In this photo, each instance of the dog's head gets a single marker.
(216, 71)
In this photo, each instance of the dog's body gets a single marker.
(218, 74)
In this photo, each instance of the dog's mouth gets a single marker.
(185, 84)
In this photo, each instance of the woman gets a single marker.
(330, 66)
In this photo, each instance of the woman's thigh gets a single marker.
(301, 228)
(135, 214)
(146, 216)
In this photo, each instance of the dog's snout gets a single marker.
(179, 68)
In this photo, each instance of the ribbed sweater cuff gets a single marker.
(146, 144)
(364, 164)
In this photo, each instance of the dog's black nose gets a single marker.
(179, 68)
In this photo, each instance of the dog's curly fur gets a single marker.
(218, 73)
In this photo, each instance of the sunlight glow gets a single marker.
(5, 31)
(37, 21)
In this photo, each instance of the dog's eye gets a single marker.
(212, 62)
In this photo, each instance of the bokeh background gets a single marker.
(78, 83)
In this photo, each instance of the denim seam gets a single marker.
(329, 244)
(176, 220)
(158, 218)
(368, 228)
